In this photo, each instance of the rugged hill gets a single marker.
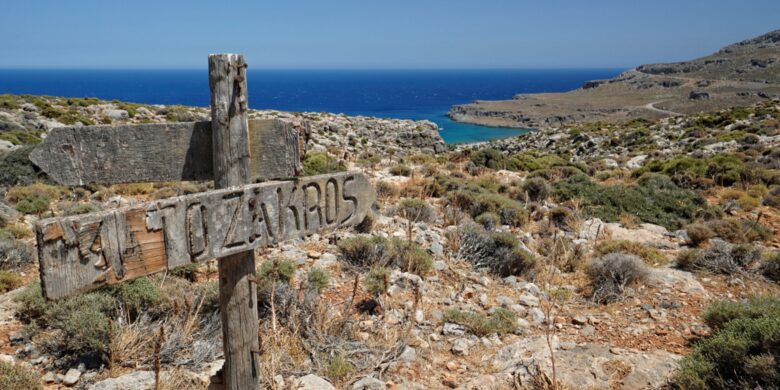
(737, 75)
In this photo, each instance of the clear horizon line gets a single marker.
(324, 68)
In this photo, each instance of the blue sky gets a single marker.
(317, 34)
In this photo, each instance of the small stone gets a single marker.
(16, 337)
(437, 249)
(505, 301)
(439, 265)
(5, 358)
(409, 355)
(314, 254)
(588, 330)
(451, 329)
(71, 377)
(567, 345)
(460, 347)
(279, 381)
(363, 336)
(50, 377)
(483, 299)
(369, 383)
(313, 382)
(529, 300)
(537, 316)
(579, 320)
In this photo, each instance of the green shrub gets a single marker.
(488, 220)
(720, 258)
(21, 137)
(281, 270)
(377, 281)
(499, 252)
(418, 261)
(35, 204)
(16, 167)
(493, 159)
(136, 295)
(31, 304)
(10, 281)
(367, 251)
(317, 280)
(561, 217)
(338, 366)
(83, 320)
(534, 161)
(536, 189)
(400, 170)
(770, 267)
(79, 209)
(415, 210)
(10, 102)
(742, 351)
(17, 231)
(500, 321)
(187, 271)
(739, 231)
(510, 211)
(648, 254)
(655, 200)
(318, 163)
(17, 377)
(610, 274)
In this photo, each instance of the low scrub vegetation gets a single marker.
(318, 163)
(499, 321)
(17, 377)
(499, 252)
(720, 258)
(648, 254)
(742, 352)
(610, 275)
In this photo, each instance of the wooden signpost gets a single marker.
(81, 253)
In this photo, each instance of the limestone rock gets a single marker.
(313, 382)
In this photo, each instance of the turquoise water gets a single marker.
(403, 94)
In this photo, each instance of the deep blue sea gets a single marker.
(405, 94)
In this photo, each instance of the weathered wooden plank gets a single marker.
(110, 154)
(159, 235)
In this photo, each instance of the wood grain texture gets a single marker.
(237, 285)
(157, 152)
(83, 252)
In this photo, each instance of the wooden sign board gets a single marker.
(81, 253)
(162, 152)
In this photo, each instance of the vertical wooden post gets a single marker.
(237, 288)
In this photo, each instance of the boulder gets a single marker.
(313, 382)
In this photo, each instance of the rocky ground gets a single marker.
(740, 74)
(455, 316)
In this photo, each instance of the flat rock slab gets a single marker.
(588, 366)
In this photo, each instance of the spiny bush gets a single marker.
(648, 254)
(510, 211)
(499, 321)
(15, 253)
(79, 209)
(417, 260)
(338, 366)
(720, 258)
(742, 353)
(739, 231)
(377, 281)
(34, 204)
(770, 266)
(16, 230)
(415, 210)
(699, 233)
(493, 159)
(610, 274)
(499, 252)
(317, 280)
(655, 199)
(136, 295)
(9, 281)
(561, 217)
(772, 199)
(280, 270)
(386, 190)
(367, 251)
(17, 169)
(400, 170)
(17, 377)
(21, 137)
(19, 193)
(536, 189)
(488, 220)
(318, 163)
(83, 320)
